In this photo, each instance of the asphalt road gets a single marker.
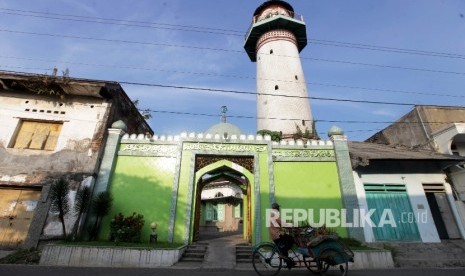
(22, 270)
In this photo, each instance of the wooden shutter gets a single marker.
(208, 212)
(24, 137)
(38, 135)
(237, 211)
(220, 211)
(52, 139)
(395, 198)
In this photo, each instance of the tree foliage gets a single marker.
(275, 135)
(59, 200)
(101, 206)
(81, 205)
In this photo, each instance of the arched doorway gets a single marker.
(457, 145)
(214, 178)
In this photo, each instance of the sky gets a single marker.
(388, 51)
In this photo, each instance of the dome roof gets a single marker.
(119, 125)
(335, 130)
(266, 4)
(221, 128)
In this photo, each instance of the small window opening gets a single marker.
(276, 87)
(61, 104)
(27, 101)
(303, 122)
(271, 51)
(296, 78)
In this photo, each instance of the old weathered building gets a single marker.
(439, 129)
(52, 127)
(412, 185)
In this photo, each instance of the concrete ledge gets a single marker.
(373, 259)
(89, 256)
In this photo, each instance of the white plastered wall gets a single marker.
(80, 119)
(281, 69)
(444, 138)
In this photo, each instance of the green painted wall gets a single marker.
(264, 197)
(142, 185)
(184, 179)
(308, 185)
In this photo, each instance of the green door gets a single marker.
(392, 201)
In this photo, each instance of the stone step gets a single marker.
(197, 246)
(195, 250)
(243, 256)
(244, 253)
(431, 263)
(193, 260)
(445, 254)
(194, 255)
(430, 254)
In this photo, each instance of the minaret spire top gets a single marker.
(224, 109)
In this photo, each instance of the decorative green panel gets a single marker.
(219, 147)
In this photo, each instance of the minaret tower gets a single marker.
(274, 41)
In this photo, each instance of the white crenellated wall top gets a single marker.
(218, 138)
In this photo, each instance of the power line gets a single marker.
(384, 49)
(121, 41)
(25, 68)
(385, 66)
(264, 94)
(232, 76)
(250, 117)
(191, 28)
(296, 119)
(229, 50)
(131, 23)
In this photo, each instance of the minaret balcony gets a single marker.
(273, 21)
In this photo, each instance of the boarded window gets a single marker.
(37, 135)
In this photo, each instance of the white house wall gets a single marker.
(455, 211)
(443, 139)
(226, 191)
(80, 119)
(419, 203)
(72, 157)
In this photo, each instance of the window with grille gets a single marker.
(37, 135)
